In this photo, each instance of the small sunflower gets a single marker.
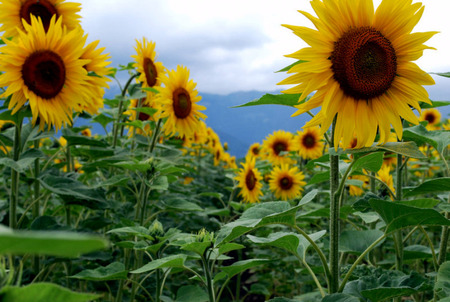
(178, 99)
(254, 150)
(45, 69)
(360, 64)
(141, 116)
(86, 132)
(249, 180)
(432, 116)
(276, 143)
(384, 174)
(309, 143)
(286, 182)
(12, 12)
(218, 154)
(358, 190)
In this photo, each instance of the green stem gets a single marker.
(158, 285)
(155, 136)
(398, 237)
(127, 259)
(358, 260)
(208, 277)
(15, 175)
(322, 292)
(430, 243)
(445, 229)
(334, 217)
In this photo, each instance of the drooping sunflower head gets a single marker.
(286, 182)
(249, 181)
(432, 116)
(150, 70)
(309, 143)
(275, 146)
(12, 12)
(359, 63)
(45, 68)
(254, 150)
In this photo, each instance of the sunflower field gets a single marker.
(354, 206)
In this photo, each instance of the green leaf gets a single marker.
(274, 99)
(138, 231)
(424, 203)
(442, 285)
(408, 149)
(134, 165)
(398, 216)
(439, 139)
(114, 271)
(51, 243)
(103, 119)
(181, 205)
(290, 66)
(72, 191)
(371, 162)
(340, 297)
(275, 212)
(319, 177)
(358, 241)
(242, 265)
(413, 252)
(442, 74)
(197, 247)
(441, 184)
(74, 139)
(191, 293)
(169, 261)
(434, 104)
(43, 292)
(231, 246)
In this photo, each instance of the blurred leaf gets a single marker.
(134, 165)
(169, 261)
(398, 216)
(424, 203)
(371, 162)
(196, 247)
(441, 184)
(228, 247)
(358, 241)
(138, 231)
(408, 149)
(439, 139)
(434, 104)
(274, 99)
(292, 65)
(241, 266)
(319, 177)
(191, 293)
(40, 292)
(340, 298)
(442, 285)
(103, 119)
(75, 139)
(51, 243)
(413, 252)
(181, 205)
(114, 271)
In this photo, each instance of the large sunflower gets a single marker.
(275, 144)
(359, 64)
(12, 12)
(309, 143)
(45, 68)
(178, 99)
(286, 182)
(249, 180)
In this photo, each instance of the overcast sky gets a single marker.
(231, 45)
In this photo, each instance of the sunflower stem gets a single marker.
(36, 205)
(334, 216)
(15, 174)
(398, 196)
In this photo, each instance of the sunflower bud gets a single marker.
(156, 229)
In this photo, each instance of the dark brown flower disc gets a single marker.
(278, 147)
(39, 8)
(286, 183)
(182, 104)
(150, 72)
(309, 141)
(250, 180)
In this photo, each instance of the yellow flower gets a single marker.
(218, 154)
(359, 64)
(276, 143)
(254, 150)
(178, 99)
(142, 116)
(432, 116)
(86, 132)
(356, 190)
(187, 180)
(309, 143)
(249, 180)
(384, 174)
(12, 12)
(286, 182)
(45, 69)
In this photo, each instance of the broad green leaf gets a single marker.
(73, 191)
(424, 203)
(74, 139)
(398, 216)
(228, 247)
(442, 285)
(242, 265)
(169, 261)
(138, 231)
(103, 119)
(51, 243)
(290, 66)
(371, 162)
(441, 184)
(368, 217)
(340, 297)
(358, 241)
(116, 180)
(319, 177)
(114, 271)
(412, 252)
(191, 293)
(434, 104)
(197, 247)
(275, 212)
(274, 99)
(37, 292)
(408, 149)
(181, 205)
(135, 165)
(439, 139)
(282, 299)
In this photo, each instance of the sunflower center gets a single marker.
(182, 104)
(39, 8)
(255, 150)
(142, 116)
(250, 180)
(278, 147)
(286, 183)
(431, 118)
(150, 72)
(308, 141)
(364, 63)
(44, 73)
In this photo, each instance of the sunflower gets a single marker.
(86, 132)
(432, 116)
(254, 150)
(150, 70)
(218, 154)
(276, 143)
(384, 174)
(249, 180)
(286, 182)
(359, 64)
(178, 99)
(140, 115)
(309, 143)
(45, 68)
(358, 190)
(12, 12)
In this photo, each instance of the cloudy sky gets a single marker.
(231, 45)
